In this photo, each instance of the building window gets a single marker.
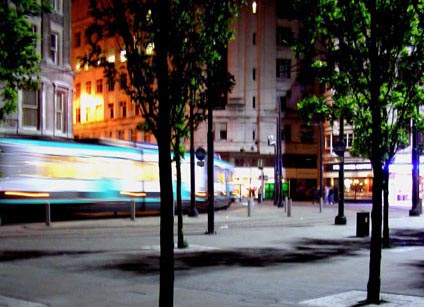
(78, 115)
(348, 139)
(88, 87)
(111, 113)
(123, 107)
(254, 132)
(123, 56)
(254, 39)
(78, 90)
(55, 5)
(120, 134)
(123, 81)
(285, 10)
(254, 102)
(306, 134)
(254, 74)
(110, 85)
(54, 47)
(60, 111)
(287, 134)
(284, 36)
(283, 103)
(30, 108)
(283, 68)
(221, 129)
(111, 56)
(99, 86)
(77, 39)
(34, 31)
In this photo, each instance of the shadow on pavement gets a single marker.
(303, 251)
(306, 250)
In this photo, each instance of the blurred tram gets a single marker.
(98, 175)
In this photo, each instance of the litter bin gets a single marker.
(362, 224)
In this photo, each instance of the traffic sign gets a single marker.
(200, 153)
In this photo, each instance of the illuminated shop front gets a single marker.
(400, 180)
(358, 180)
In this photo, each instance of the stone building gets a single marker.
(48, 111)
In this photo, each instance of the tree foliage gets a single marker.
(372, 53)
(19, 60)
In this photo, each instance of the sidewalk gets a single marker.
(267, 259)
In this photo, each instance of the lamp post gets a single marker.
(339, 149)
(279, 162)
(415, 171)
(271, 142)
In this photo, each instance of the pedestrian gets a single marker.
(331, 196)
(327, 192)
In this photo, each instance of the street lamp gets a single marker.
(415, 171)
(271, 142)
(339, 149)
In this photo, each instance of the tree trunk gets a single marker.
(377, 155)
(386, 230)
(166, 289)
(374, 282)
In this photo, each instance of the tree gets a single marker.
(167, 61)
(371, 52)
(19, 60)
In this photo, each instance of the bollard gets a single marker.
(420, 206)
(320, 204)
(289, 204)
(250, 207)
(286, 200)
(132, 208)
(362, 224)
(48, 216)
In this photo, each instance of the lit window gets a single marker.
(111, 58)
(150, 49)
(254, 7)
(123, 56)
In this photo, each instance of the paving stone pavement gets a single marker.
(265, 259)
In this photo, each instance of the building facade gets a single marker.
(101, 107)
(263, 102)
(47, 112)
(262, 106)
